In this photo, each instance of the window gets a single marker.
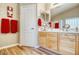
(73, 22)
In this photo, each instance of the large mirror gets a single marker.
(67, 15)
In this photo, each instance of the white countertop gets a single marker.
(58, 30)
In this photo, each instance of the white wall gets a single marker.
(9, 38)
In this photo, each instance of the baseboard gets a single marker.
(20, 45)
(36, 46)
(12, 45)
(9, 46)
(30, 46)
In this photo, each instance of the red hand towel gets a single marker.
(56, 25)
(14, 26)
(39, 22)
(5, 26)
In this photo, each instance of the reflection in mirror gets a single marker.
(45, 16)
(73, 24)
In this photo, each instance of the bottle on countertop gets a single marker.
(76, 29)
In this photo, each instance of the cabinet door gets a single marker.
(43, 42)
(42, 39)
(67, 44)
(52, 41)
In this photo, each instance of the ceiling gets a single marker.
(62, 7)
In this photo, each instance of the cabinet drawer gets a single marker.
(68, 39)
(52, 38)
(42, 34)
(68, 36)
(51, 34)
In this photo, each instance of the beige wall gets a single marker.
(9, 38)
(74, 12)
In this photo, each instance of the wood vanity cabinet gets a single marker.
(63, 43)
(42, 39)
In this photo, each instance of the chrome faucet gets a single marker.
(66, 27)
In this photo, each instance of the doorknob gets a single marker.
(32, 28)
